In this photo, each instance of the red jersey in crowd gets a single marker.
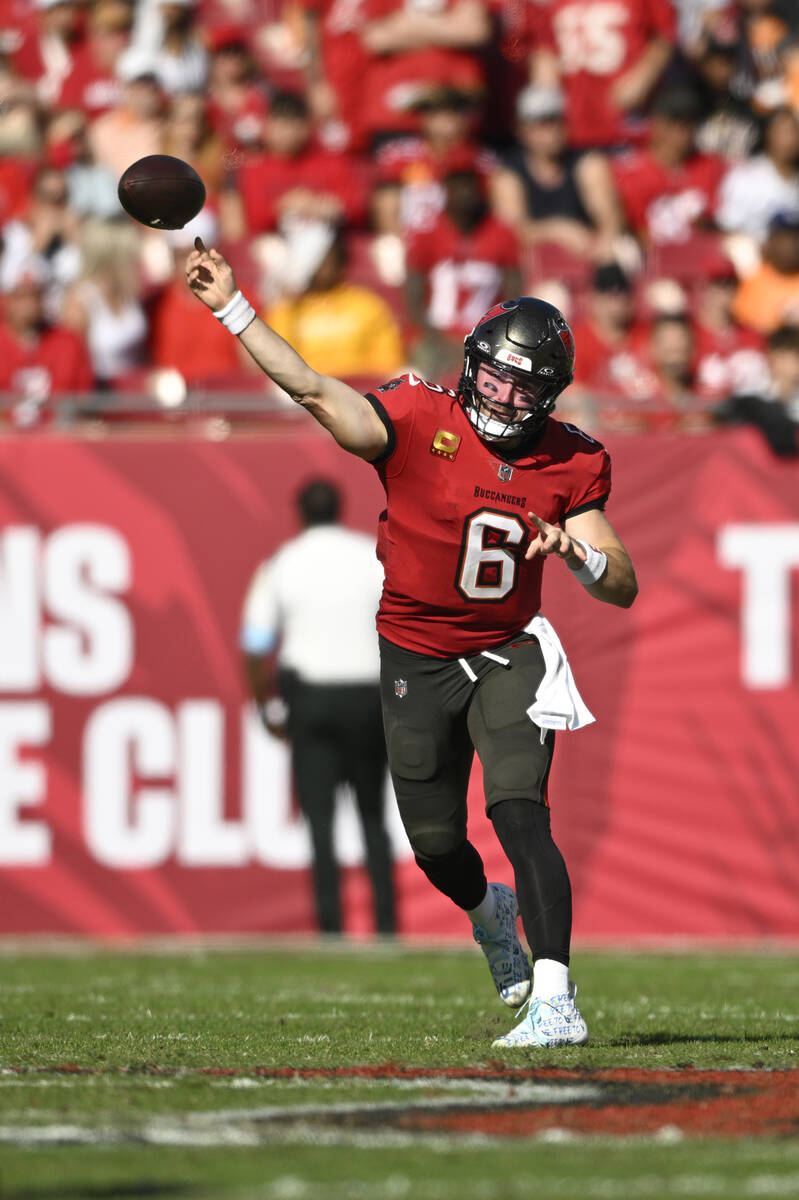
(15, 182)
(519, 26)
(597, 41)
(464, 271)
(411, 163)
(729, 363)
(453, 536)
(344, 59)
(55, 363)
(198, 353)
(666, 204)
(394, 81)
(603, 366)
(266, 178)
(88, 85)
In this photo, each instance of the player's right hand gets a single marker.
(209, 276)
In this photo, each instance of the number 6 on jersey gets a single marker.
(488, 569)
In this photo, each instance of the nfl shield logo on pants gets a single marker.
(400, 687)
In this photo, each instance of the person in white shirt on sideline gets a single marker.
(315, 602)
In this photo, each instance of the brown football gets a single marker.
(161, 191)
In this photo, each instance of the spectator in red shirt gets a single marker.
(46, 46)
(609, 336)
(728, 357)
(337, 60)
(468, 261)
(292, 179)
(38, 362)
(92, 83)
(414, 47)
(418, 165)
(609, 58)
(549, 193)
(236, 104)
(668, 190)
(199, 356)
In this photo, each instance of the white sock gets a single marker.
(486, 911)
(550, 978)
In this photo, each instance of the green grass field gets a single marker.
(133, 1074)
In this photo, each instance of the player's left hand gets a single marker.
(551, 539)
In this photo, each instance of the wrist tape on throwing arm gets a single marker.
(237, 314)
(593, 568)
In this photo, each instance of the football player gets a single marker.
(482, 486)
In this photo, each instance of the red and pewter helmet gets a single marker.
(529, 341)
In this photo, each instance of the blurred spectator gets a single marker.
(770, 296)
(92, 83)
(671, 353)
(45, 236)
(609, 333)
(104, 307)
(236, 104)
(19, 118)
(468, 261)
(668, 189)
(336, 68)
(38, 361)
(774, 410)
(177, 58)
(549, 193)
(188, 135)
(610, 59)
(292, 179)
(728, 358)
(763, 31)
(133, 129)
(92, 188)
(754, 190)
(46, 46)
(728, 126)
(413, 48)
(518, 30)
(417, 166)
(338, 327)
(200, 355)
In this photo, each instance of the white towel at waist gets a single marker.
(557, 703)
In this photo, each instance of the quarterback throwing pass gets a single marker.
(482, 485)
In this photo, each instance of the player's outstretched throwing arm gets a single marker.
(347, 414)
(592, 549)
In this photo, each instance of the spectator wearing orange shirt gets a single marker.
(770, 296)
(134, 129)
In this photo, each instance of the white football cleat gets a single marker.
(554, 1021)
(509, 965)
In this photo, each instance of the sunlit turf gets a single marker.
(143, 1022)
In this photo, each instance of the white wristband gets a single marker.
(593, 568)
(237, 314)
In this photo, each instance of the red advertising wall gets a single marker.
(137, 794)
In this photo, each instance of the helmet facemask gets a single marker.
(494, 420)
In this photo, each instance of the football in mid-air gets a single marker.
(161, 191)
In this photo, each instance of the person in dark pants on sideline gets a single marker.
(316, 600)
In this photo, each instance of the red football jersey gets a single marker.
(597, 41)
(455, 528)
(266, 178)
(56, 362)
(729, 363)
(410, 163)
(665, 203)
(394, 81)
(464, 271)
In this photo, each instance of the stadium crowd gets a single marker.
(380, 172)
